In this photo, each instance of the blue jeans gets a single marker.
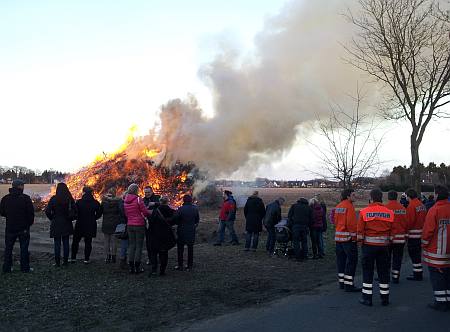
(24, 240)
(230, 225)
(321, 245)
(57, 246)
(270, 244)
(123, 248)
(249, 236)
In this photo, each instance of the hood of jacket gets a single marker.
(303, 201)
(15, 191)
(130, 198)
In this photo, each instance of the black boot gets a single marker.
(108, 259)
(137, 267)
(366, 300)
(57, 262)
(352, 289)
(123, 264)
(132, 269)
(384, 300)
(395, 280)
(113, 259)
(439, 306)
(65, 261)
(416, 276)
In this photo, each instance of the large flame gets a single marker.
(133, 163)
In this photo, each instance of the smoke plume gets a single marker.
(261, 100)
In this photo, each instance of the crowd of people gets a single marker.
(382, 230)
(129, 219)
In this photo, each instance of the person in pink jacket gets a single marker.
(135, 212)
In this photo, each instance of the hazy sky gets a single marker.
(76, 75)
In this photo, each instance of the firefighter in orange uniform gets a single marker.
(415, 213)
(374, 232)
(398, 234)
(345, 237)
(436, 248)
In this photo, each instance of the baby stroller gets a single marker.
(283, 239)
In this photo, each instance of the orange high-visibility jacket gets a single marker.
(375, 224)
(436, 235)
(345, 221)
(416, 213)
(399, 227)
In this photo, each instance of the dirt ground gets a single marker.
(100, 296)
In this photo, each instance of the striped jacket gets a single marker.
(399, 227)
(345, 221)
(375, 224)
(415, 212)
(436, 236)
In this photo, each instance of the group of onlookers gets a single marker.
(304, 217)
(150, 218)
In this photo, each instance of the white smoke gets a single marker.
(260, 100)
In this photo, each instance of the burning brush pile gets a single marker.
(145, 167)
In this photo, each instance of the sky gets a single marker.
(76, 75)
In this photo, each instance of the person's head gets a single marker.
(112, 192)
(281, 200)
(226, 194)
(133, 189)
(411, 193)
(348, 194)
(18, 184)
(441, 192)
(376, 195)
(431, 197)
(63, 194)
(164, 200)
(392, 195)
(88, 190)
(313, 201)
(255, 193)
(148, 191)
(187, 199)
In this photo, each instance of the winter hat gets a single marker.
(17, 183)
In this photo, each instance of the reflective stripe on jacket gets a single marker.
(416, 213)
(436, 235)
(399, 227)
(375, 224)
(345, 221)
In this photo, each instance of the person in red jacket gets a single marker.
(415, 213)
(345, 237)
(227, 217)
(374, 232)
(436, 248)
(399, 229)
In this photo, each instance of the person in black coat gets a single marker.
(187, 219)
(162, 238)
(89, 210)
(61, 211)
(272, 217)
(151, 202)
(18, 210)
(300, 218)
(111, 218)
(254, 212)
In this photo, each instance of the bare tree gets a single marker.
(405, 46)
(351, 148)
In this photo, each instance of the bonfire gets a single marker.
(134, 163)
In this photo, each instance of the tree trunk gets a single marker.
(415, 167)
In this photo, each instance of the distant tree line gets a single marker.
(8, 174)
(400, 177)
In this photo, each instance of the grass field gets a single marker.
(100, 296)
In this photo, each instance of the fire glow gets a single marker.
(118, 170)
